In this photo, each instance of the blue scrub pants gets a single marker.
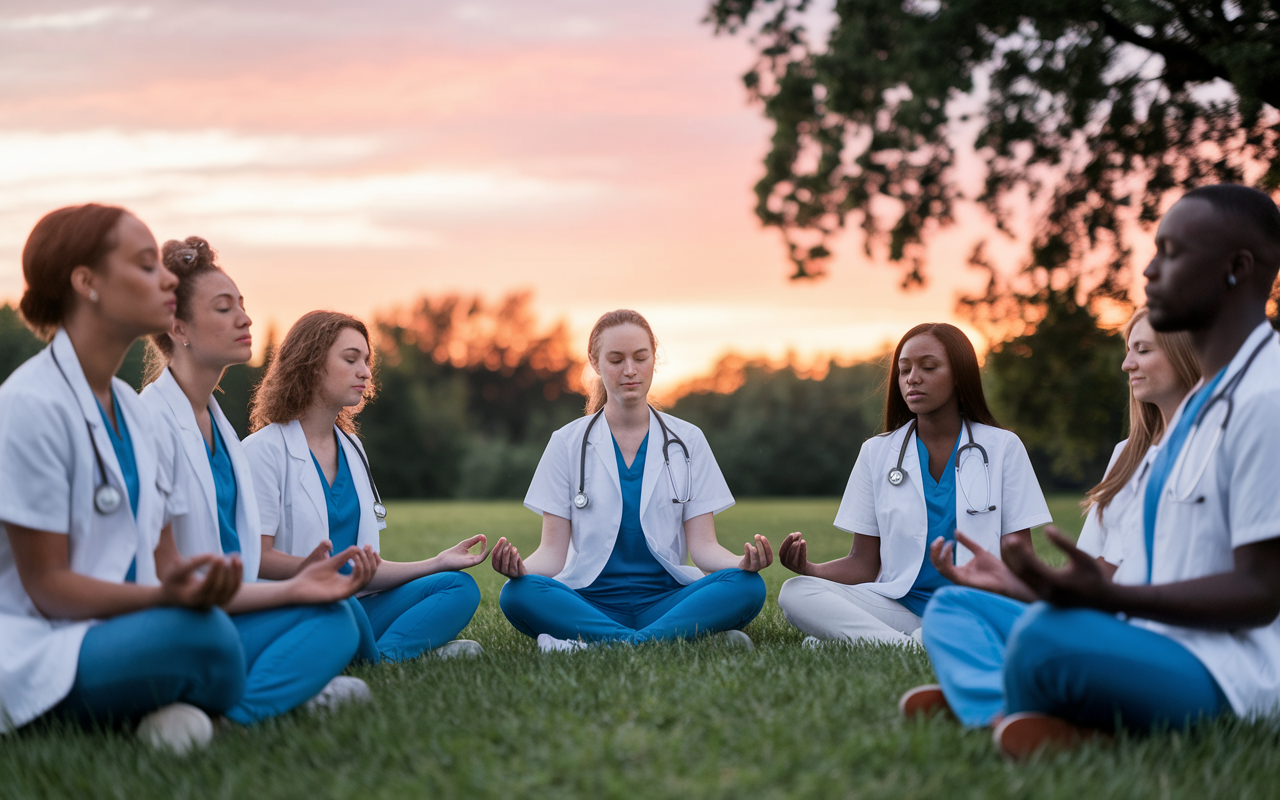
(291, 653)
(727, 599)
(421, 615)
(994, 655)
(135, 663)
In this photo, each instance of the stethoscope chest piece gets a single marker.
(580, 500)
(380, 511)
(106, 499)
(897, 476)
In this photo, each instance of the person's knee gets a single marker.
(752, 587)
(341, 630)
(798, 594)
(520, 592)
(465, 587)
(1037, 634)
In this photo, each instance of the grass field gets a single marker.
(665, 720)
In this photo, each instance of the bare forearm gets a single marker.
(278, 565)
(849, 570)
(1224, 602)
(391, 574)
(545, 563)
(70, 595)
(261, 596)
(714, 557)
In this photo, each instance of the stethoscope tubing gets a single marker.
(379, 510)
(581, 500)
(897, 475)
(106, 498)
(1225, 394)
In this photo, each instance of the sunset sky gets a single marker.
(356, 155)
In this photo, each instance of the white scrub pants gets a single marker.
(836, 612)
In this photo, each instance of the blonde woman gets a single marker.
(627, 495)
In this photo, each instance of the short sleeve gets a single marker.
(266, 465)
(857, 513)
(37, 459)
(1253, 504)
(1023, 505)
(710, 493)
(1093, 536)
(551, 489)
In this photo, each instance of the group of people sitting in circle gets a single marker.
(155, 570)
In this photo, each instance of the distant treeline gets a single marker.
(470, 392)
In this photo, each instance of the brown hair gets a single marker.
(296, 368)
(75, 236)
(1146, 423)
(964, 369)
(597, 397)
(188, 259)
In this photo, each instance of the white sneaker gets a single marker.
(178, 728)
(458, 648)
(813, 643)
(917, 636)
(735, 638)
(340, 691)
(550, 644)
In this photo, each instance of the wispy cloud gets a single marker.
(76, 20)
(265, 190)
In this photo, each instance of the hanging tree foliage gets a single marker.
(1093, 111)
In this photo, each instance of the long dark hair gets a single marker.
(964, 368)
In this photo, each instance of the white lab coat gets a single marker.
(290, 494)
(1234, 503)
(184, 456)
(49, 473)
(1115, 533)
(595, 528)
(897, 514)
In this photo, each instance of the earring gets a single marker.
(1231, 279)
(186, 344)
(93, 295)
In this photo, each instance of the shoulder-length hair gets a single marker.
(297, 367)
(1146, 423)
(964, 369)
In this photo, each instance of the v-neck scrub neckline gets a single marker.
(940, 503)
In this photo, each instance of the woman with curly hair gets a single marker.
(316, 493)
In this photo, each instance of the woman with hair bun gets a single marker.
(627, 494)
(102, 620)
(316, 493)
(941, 463)
(296, 634)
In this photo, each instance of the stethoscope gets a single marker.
(1227, 395)
(106, 498)
(379, 510)
(897, 475)
(668, 438)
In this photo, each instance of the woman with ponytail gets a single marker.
(627, 495)
(296, 634)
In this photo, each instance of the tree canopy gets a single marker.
(1089, 111)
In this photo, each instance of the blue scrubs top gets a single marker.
(343, 505)
(224, 486)
(940, 500)
(1165, 458)
(632, 577)
(122, 443)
